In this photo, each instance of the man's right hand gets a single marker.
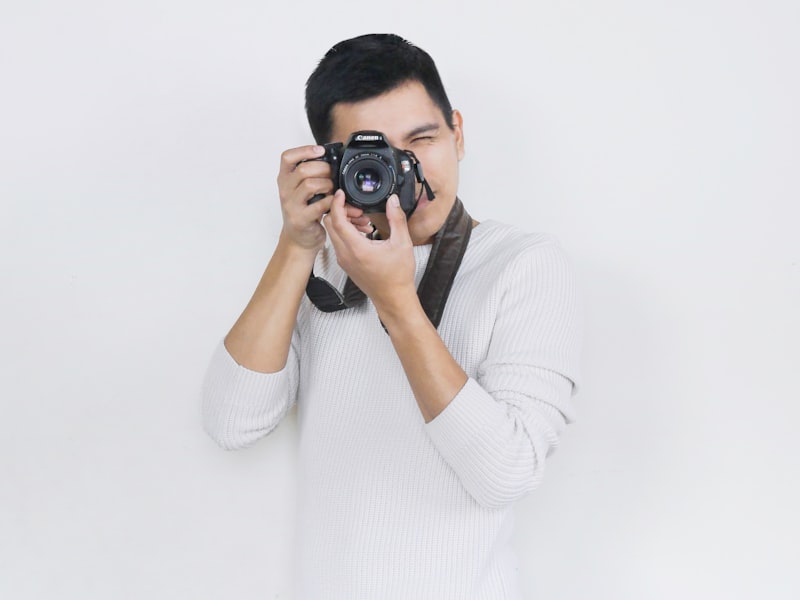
(301, 178)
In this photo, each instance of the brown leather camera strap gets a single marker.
(449, 245)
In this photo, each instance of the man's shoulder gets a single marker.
(501, 252)
(497, 239)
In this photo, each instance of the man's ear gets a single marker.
(458, 129)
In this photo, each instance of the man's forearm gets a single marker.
(434, 375)
(260, 338)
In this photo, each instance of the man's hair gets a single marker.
(365, 67)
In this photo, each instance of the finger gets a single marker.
(366, 227)
(293, 157)
(317, 209)
(330, 221)
(362, 223)
(313, 189)
(353, 211)
(310, 169)
(337, 218)
(338, 222)
(358, 219)
(398, 226)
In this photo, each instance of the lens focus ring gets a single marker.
(367, 179)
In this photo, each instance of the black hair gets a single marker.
(364, 67)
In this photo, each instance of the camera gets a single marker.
(369, 170)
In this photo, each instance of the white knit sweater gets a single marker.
(392, 507)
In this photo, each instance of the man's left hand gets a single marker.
(383, 269)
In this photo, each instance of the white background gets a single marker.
(139, 145)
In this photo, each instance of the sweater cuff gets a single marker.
(464, 422)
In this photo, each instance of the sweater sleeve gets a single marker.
(240, 406)
(499, 429)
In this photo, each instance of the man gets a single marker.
(421, 421)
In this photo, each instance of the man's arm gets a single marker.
(384, 270)
(251, 381)
(494, 431)
(260, 338)
(434, 375)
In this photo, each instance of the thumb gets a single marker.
(398, 226)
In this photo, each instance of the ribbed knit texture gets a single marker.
(392, 507)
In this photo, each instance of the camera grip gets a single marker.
(331, 156)
(315, 197)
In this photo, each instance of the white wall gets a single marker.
(139, 146)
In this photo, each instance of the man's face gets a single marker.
(410, 120)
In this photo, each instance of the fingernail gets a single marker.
(394, 200)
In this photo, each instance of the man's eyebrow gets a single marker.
(427, 128)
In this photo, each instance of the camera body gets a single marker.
(369, 170)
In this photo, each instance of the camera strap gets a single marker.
(449, 245)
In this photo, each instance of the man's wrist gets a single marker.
(295, 253)
(400, 309)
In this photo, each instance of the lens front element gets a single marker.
(367, 180)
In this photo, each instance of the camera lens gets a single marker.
(368, 180)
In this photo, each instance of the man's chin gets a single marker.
(420, 207)
(423, 202)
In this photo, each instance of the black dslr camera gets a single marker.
(369, 170)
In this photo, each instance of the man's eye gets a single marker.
(425, 138)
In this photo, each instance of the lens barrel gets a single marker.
(367, 179)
